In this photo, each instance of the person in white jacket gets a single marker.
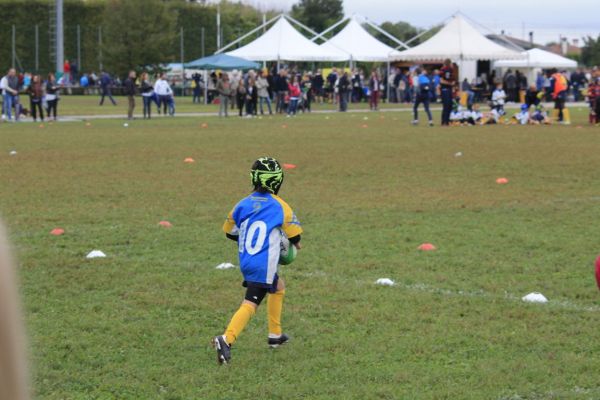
(9, 86)
(3, 86)
(163, 91)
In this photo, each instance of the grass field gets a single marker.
(137, 324)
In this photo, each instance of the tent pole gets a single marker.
(415, 37)
(387, 82)
(321, 35)
(205, 87)
(300, 24)
(253, 31)
(378, 29)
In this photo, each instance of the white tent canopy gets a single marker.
(359, 43)
(538, 58)
(283, 42)
(458, 40)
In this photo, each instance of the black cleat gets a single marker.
(223, 349)
(276, 342)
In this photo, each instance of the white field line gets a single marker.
(554, 394)
(423, 287)
(573, 200)
(426, 288)
(79, 118)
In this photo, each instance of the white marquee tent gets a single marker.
(459, 41)
(360, 44)
(538, 58)
(283, 42)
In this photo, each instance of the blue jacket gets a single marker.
(105, 80)
(424, 83)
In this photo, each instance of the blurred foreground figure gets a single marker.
(13, 376)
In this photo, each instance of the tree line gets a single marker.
(118, 34)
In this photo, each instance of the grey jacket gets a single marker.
(224, 88)
(262, 84)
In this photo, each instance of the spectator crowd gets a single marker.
(290, 91)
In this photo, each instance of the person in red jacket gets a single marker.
(295, 93)
(594, 99)
(67, 73)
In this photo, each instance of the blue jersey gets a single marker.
(424, 84)
(259, 221)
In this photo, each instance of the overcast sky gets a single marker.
(547, 19)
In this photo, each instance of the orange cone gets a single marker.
(57, 232)
(426, 247)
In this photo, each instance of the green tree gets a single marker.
(400, 30)
(88, 16)
(590, 52)
(318, 14)
(137, 34)
(403, 31)
(25, 15)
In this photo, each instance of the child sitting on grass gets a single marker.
(539, 116)
(457, 114)
(522, 117)
(474, 116)
(491, 118)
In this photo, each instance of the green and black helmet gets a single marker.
(267, 173)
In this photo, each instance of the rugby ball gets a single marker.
(288, 251)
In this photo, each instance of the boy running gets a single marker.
(257, 223)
